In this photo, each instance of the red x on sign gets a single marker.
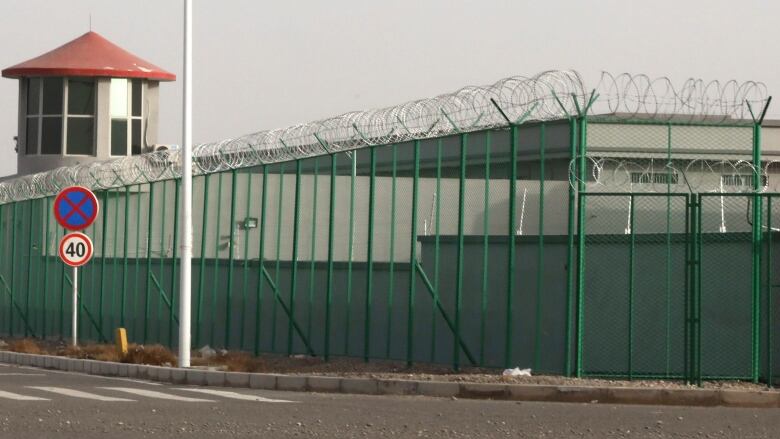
(75, 208)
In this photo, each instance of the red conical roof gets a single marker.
(89, 55)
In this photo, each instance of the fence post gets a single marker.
(245, 268)
(756, 250)
(215, 285)
(688, 288)
(540, 254)
(231, 258)
(123, 296)
(331, 221)
(511, 246)
(261, 261)
(136, 290)
(464, 142)
(103, 233)
(769, 310)
(163, 253)
(757, 235)
(112, 318)
(485, 250)
(756, 266)
(203, 247)
(370, 255)
(412, 257)
(581, 188)
(631, 263)
(668, 245)
(31, 203)
(391, 283)
(150, 212)
(47, 212)
(277, 266)
(698, 307)
(351, 240)
(313, 249)
(693, 340)
(174, 261)
(436, 245)
(29, 264)
(294, 268)
(570, 273)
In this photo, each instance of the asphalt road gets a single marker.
(38, 403)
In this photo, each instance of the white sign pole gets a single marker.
(75, 305)
(186, 184)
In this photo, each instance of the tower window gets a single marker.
(60, 116)
(126, 116)
(81, 116)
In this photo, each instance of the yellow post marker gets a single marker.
(121, 341)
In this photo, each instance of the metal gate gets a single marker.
(679, 286)
(633, 297)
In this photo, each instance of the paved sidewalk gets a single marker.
(370, 386)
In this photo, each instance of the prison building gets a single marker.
(534, 222)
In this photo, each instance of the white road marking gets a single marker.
(80, 394)
(158, 395)
(130, 380)
(234, 395)
(100, 377)
(17, 374)
(18, 397)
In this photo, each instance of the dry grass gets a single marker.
(237, 361)
(231, 361)
(100, 352)
(25, 346)
(157, 355)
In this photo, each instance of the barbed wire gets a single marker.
(627, 96)
(549, 95)
(608, 174)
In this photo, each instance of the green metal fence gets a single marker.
(488, 248)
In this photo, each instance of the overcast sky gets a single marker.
(268, 64)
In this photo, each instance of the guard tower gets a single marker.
(85, 101)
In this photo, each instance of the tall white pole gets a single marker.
(185, 298)
(75, 328)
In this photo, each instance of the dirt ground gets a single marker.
(336, 366)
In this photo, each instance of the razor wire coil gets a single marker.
(546, 96)
(607, 174)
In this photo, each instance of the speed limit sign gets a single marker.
(75, 249)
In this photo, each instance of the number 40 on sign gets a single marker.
(75, 249)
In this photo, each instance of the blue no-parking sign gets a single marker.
(75, 208)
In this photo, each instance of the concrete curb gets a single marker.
(371, 386)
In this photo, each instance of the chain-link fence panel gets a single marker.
(728, 295)
(634, 289)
